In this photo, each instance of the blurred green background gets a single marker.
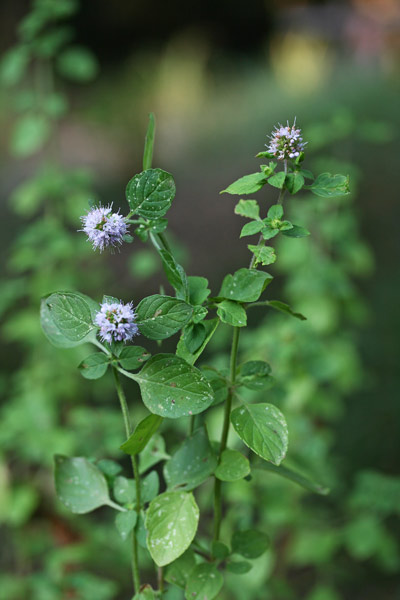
(77, 84)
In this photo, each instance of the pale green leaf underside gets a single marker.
(80, 485)
(67, 318)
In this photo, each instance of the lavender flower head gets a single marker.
(286, 142)
(116, 322)
(104, 227)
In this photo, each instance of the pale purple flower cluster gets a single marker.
(104, 227)
(286, 142)
(116, 322)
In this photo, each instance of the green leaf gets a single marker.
(220, 389)
(77, 63)
(294, 182)
(251, 228)
(240, 567)
(219, 550)
(264, 254)
(110, 468)
(198, 290)
(182, 351)
(233, 466)
(13, 65)
(255, 375)
(204, 582)
(146, 593)
(149, 143)
(67, 318)
(250, 543)
(277, 180)
(124, 490)
(30, 133)
(262, 427)
(377, 492)
(153, 453)
(175, 274)
(245, 285)
(249, 184)
(142, 435)
(179, 571)
(232, 313)
(294, 476)
(80, 485)
(275, 212)
(171, 522)
(172, 388)
(94, 366)
(194, 335)
(150, 193)
(248, 208)
(159, 317)
(282, 307)
(125, 522)
(307, 174)
(265, 154)
(149, 487)
(192, 464)
(329, 186)
(269, 232)
(133, 357)
(296, 232)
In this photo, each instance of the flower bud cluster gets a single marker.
(286, 142)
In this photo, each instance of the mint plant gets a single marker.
(168, 525)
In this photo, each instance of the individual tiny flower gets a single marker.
(286, 142)
(104, 227)
(116, 322)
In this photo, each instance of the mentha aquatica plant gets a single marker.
(170, 524)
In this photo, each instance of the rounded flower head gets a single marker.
(104, 227)
(286, 142)
(116, 322)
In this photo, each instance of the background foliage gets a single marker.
(74, 130)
